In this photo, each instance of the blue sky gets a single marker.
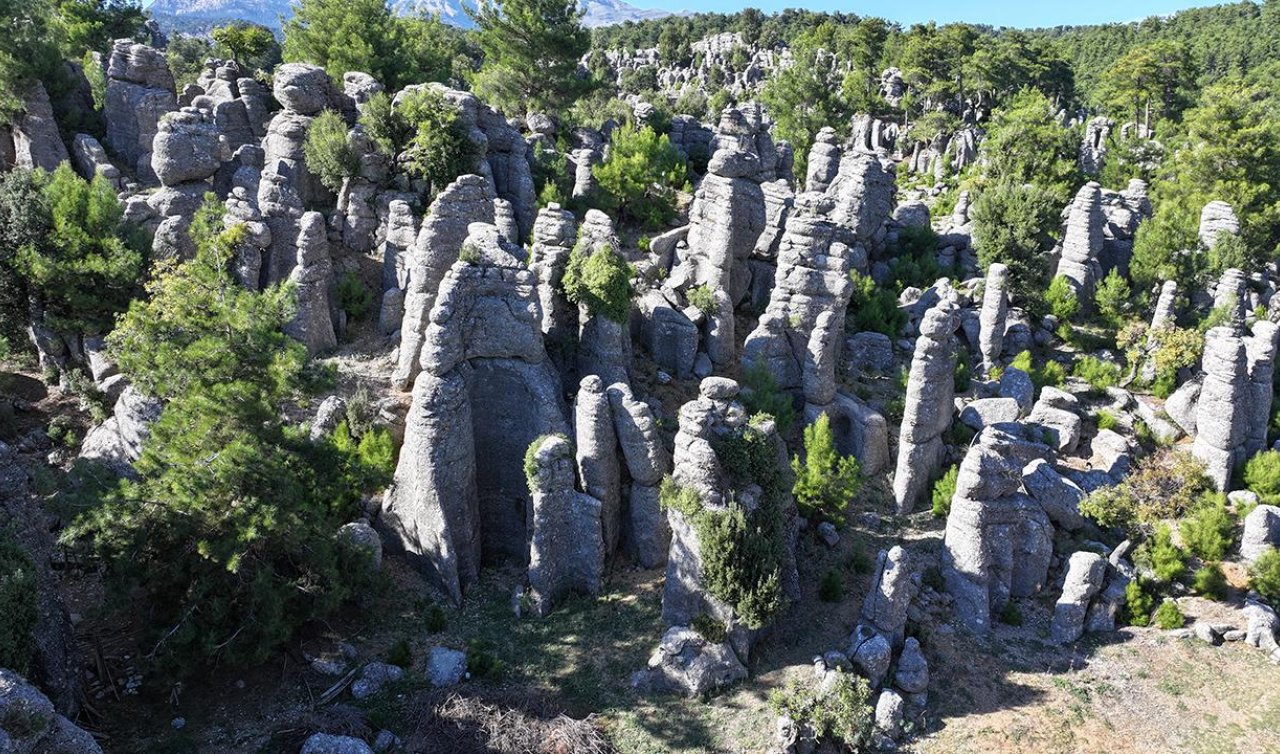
(1016, 13)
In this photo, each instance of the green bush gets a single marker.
(962, 379)
(943, 490)
(761, 395)
(1012, 223)
(1210, 581)
(1010, 615)
(1164, 558)
(482, 662)
(1264, 576)
(1168, 616)
(843, 714)
(873, 308)
(1207, 531)
(702, 299)
(831, 587)
(353, 295)
(1107, 420)
(913, 258)
(601, 282)
(709, 628)
(18, 606)
(1045, 372)
(329, 155)
(1161, 486)
(1262, 476)
(400, 654)
(1113, 298)
(1098, 373)
(641, 175)
(825, 481)
(1062, 300)
(436, 620)
(1139, 604)
(438, 148)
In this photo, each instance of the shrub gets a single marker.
(1044, 372)
(873, 308)
(943, 490)
(1061, 300)
(400, 654)
(1098, 373)
(17, 606)
(1264, 576)
(481, 661)
(1262, 476)
(438, 149)
(1139, 604)
(1107, 420)
(1176, 348)
(601, 282)
(1113, 297)
(1168, 616)
(436, 620)
(1164, 558)
(1011, 224)
(709, 628)
(831, 587)
(1207, 530)
(1010, 615)
(702, 299)
(825, 482)
(962, 378)
(640, 176)
(761, 395)
(913, 259)
(842, 714)
(1164, 485)
(353, 295)
(330, 157)
(1210, 581)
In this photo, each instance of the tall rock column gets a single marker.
(1221, 411)
(604, 343)
(992, 317)
(566, 554)
(313, 276)
(646, 535)
(597, 455)
(824, 160)
(467, 200)
(140, 90)
(554, 233)
(1260, 356)
(1083, 242)
(184, 156)
(1232, 295)
(928, 409)
(35, 134)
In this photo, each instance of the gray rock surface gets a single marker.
(686, 663)
(1261, 532)
(928, 409)
(993, 315)
(446, 667)
(324, 743)
(1082, 243)
(29, 724)
(567, 552)
(1221, 410)
(313, 277)
(1217, 217)
(1085, 576)
(139, 91)
(36, 143)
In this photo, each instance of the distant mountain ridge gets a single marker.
(201, 15)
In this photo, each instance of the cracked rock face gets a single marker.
(139, 91)
(1217, 217)
(927, 412)
(1083, 242)
(36, 141)
(993, 316)
(486, 390)
(567, 553)
(313, 324)
(999, 541)
(1220, 412)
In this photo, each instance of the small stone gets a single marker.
(179, 723)
(446, 667)
(663, 378)
(1206, 633)
(827, 532)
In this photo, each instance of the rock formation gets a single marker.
(554, 234)
(467, 200)
(485, 392)
(1217, 217)
(999, 541)
(1083, 243)
(992, 317)
(185, 155)
(1221, 411)
(313, 325)
(1085, 578)
(36, 143)
(139, 91)
(604, 343)
(1260, 358)
(928, 409)
(566, 554)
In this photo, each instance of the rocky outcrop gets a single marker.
(1093, 148)
(185, 155)
(36, 143)
(646, 535)
(1261, 532)
(118, 440)
(1217, 217)
(139, 91)
(1085, 578)
(863, 190)
(242, 209)
(604, 343)
(29, 723)
(1260, 357)
(1082, 243)
(998, 542)
(1231, 295)
(467, 200)
(824, 160)
(312, 325)
(1221, 411)
(685, 663)
(485, 392)
(893, 585)
(928, 409)
(399, 235)
(90, 159)
(993, 315)
(567, 553)
(554, 234)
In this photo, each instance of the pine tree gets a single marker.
(531, 53)
(825, 481)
